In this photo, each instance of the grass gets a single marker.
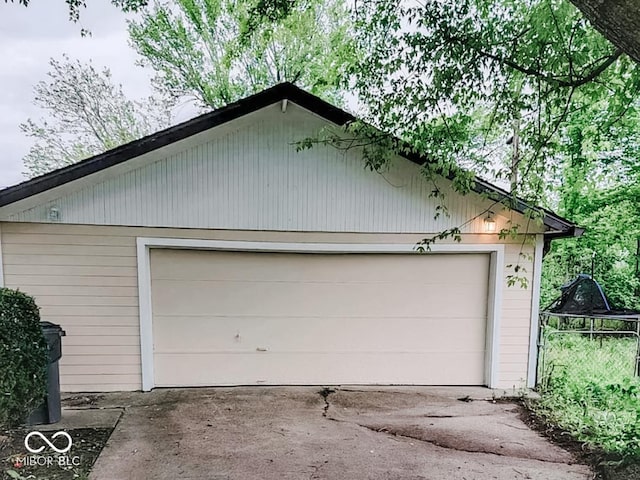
(589, 389)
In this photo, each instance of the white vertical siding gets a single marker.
(253, 178)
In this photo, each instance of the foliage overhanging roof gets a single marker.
(558, 226)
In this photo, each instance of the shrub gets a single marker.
(23, 357)
(589, 389)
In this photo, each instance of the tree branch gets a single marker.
(595, 73)
(573, 83)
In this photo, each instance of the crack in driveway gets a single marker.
(326, 392)
(391, 432)
(273, 433)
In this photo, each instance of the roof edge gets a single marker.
(574, 231)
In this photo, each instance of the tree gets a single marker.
(87, 114)
(617, 20)
(467, 81)
(214, 52)
(600, 190)
(74, 6)
(521, 92)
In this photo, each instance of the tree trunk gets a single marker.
(617, 20)
(515, 156)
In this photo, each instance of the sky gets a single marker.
(29, 37)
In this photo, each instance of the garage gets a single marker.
(217, 252)
(274, 318)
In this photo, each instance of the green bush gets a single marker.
(589, 389)
(23, 357)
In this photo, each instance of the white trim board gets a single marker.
(535, 312)
(144, 244)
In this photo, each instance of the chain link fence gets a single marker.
(604, 351)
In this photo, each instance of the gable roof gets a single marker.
(558, 226)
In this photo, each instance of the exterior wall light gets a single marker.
(489, 223)
(53, 214)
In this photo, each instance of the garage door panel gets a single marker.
(300, 334)
(233, 318)
(318, 369)
(278, 298)
(434, 269)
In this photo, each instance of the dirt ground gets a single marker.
(87, 444)
(605, 465)
(88, 427)
(337, 433)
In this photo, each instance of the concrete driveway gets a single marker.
(341, 433)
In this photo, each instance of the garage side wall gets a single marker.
(85, 278)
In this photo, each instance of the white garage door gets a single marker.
(237, 318)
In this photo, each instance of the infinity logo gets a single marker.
(35, 433)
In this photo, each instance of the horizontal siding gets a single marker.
(82, 290)
(114, 380)
(252, 177)
(101, 387)
(74, 300)
(74, 330)
(69, 359)
(70, 260)
(513, 340)
(508, 329)
(85, 311)
(102, 340)
(515, 304)
(71, 250)
(115, 349)
(27, 235)
(97, 282)
(78, 271)
(102, 369)
(111, 321)
(516, 317)
(96, 302)
(511, 348)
